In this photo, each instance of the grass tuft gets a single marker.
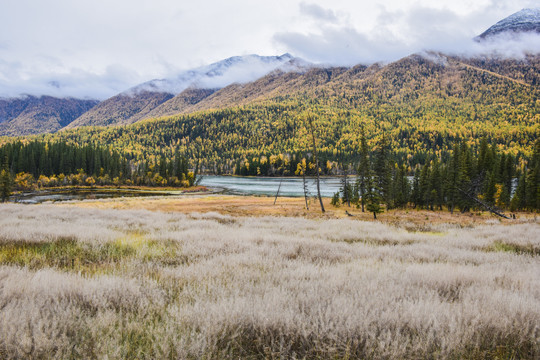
(63, 254)
(528, 249)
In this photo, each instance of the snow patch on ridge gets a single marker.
(237, 69)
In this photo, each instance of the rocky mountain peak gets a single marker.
(526, 20)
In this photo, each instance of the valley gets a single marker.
(270, 207)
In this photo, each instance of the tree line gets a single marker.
(36, 163)
(466, 180)
(414, 131)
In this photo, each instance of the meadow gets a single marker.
(133, 283)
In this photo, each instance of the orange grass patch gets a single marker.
(235, 205)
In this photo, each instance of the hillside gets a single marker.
(251, 79)
(190, 87)
(423, 105)
(179, 104)
(526, 70)
(279, 83)
(120, 109)
(30, 115)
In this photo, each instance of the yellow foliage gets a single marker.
(24, 181)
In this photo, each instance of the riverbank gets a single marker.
(259, 206)
(67, 193)
(197, 188)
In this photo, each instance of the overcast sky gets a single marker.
(98, 48)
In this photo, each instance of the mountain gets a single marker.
(236, 69)
(276, 83)
(423, 104)
(181, 103)
(121, 109)
(29, 115)
(250, 80)
(190, 87)
(526, 20)
(525, 70)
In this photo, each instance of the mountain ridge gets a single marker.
(139, 102)
(30, 115)
(525, 20)
(243, 80)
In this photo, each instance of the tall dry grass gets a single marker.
(82, 283)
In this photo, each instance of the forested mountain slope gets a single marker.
(190, 86)
(423, 104)
(414, 76)
(29, 115)
(121, 108)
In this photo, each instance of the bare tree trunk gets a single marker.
(305, 187)
(310, 121)
(345, 192)
(197, 163)
(279, 187)
(196, 172)
(486, 206)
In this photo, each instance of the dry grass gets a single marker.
(422, 220)
(96, 283)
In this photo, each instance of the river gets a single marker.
(37, 197)
(269, 185)
(222, 184)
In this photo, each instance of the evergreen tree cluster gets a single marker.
(5, 181)
(466, 180)
(247, 134)
(52, 164)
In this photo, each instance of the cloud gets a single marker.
(218, 75)
(317, 12)
(77, 83)
(397, 33)
(75, 48)
(505, 45)
(342, 46)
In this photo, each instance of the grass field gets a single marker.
(175, 278)
(295, 207)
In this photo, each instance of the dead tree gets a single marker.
(310, 122)
(198, 154)
(488, 207)
(306, 192)
(346, 194)
(279, 187)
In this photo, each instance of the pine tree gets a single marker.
(436, 185)
(484, 161)
(5, 181)
(508, 175)
(363, 169)
(346, 190)
(519, 201)
(335, 200)
(491, 189)
(532, 191)
(401, 187)
(466, 188)
(416, 196)
(382, 172)
(373, 196)
(424, 187)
